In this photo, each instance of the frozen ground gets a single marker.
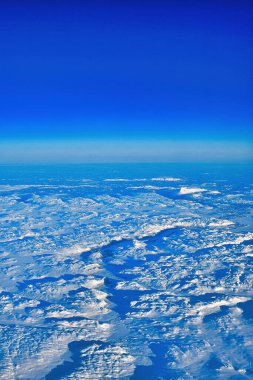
(126, 272)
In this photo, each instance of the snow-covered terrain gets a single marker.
(109, 273)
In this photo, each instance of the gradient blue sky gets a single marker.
(150, 80)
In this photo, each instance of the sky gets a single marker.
(126, 81)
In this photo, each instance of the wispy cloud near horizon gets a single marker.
(99, 151)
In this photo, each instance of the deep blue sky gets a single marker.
(126, 70)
